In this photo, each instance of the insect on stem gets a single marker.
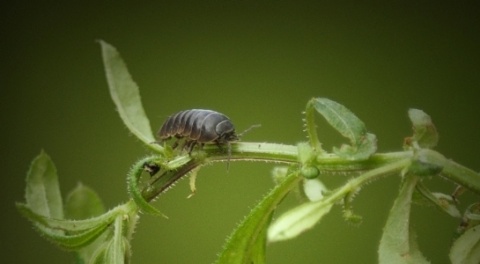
(199, 127)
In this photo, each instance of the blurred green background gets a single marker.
(257, 62)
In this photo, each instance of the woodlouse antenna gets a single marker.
(229, 150)
(248, 129)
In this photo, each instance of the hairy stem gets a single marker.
(269, 152)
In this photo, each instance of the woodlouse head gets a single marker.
(226, 131)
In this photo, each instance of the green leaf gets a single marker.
(115, 253)
(259, 249)
(398, 244)
(473, 212)
(363, 148)
(74, 241)
(69, 234)
(83, 202)
(424, 131)
(247, 241)
(118, 250)
(126, 96)
(442, 201)
(98, 255)
(108, 251)
(90, 253)
(71, 226)
(298, 220)
(363, 144)
(314, 189)
(43, 192)
(133, 179)
(466, 249)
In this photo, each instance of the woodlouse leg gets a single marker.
(175, 144)
(185, 144)
(200, 146)
(229, 155)
(219, 145)
(229, 151)
(190, 145)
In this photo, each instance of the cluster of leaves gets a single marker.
(100, 236)
(82, 225)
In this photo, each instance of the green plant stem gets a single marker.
(131, 209)
(310, 126)
(266, 152)
(356, 183)
(462, 175)
(167, 180)
(251, 151)
(254, 151)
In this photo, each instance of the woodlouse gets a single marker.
(198, 126)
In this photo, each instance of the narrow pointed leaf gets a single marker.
(442, 201)
(398, 245)
(363, 144)
(43, 192)
(68, 234)
(82, 203)
(72, 241)
(133, 179)
(126, 96)
(98, 254)
(89, 253)
(259, 249)
(466, 249)
(424, 131)
(247, 241)
(71, 226)
(298, 220)
(114, 253)
(473, 212)
(447, 204)
(117, 249)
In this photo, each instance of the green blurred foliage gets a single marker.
(257, 62)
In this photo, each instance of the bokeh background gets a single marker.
(257, 62)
